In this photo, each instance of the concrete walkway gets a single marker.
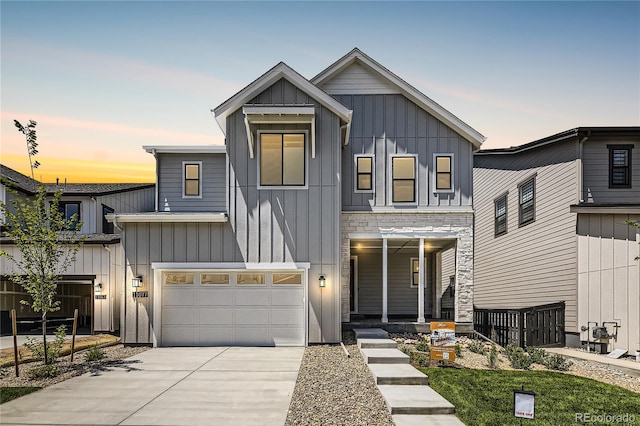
(631, 367)
(171, 386)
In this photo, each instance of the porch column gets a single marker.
(385, 317)
(421, 281)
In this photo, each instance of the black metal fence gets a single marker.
(541, 325)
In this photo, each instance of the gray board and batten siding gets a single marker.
(385, 124)
(536, 263)
(170, 183)
(266, 225)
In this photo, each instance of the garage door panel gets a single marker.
(221, 336)
(178, 316)
(287, 297)
(219, 316)
(252, 297)
(179, 336)
(252, 316)
(178, 297)
(291, 336)
(215, 297)
(287, 316)
(252, 336)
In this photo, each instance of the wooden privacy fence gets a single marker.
(541, 325)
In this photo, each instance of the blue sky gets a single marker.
(104, 78)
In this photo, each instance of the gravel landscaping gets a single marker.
(114, 357)
(335, 390)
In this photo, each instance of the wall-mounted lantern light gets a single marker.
(97, 288)
(322, 281)
(136, 282)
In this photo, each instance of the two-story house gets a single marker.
(92, 284)
(347, 193)
(550, 227)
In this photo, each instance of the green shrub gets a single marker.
(406, 349)
(557, 362)
(43, 371)
(420, 359)
(458, 350)
(476, 346)
(36, 346)
(518, 358)
(492, 357)
(423, 346)
(94, 353)
(537, 355)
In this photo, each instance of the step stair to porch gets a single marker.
(377, 344)
(397, 374)
(405, 389)
(384, 356)
(422, 420)
(412, 399)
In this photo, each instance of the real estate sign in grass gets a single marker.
(485, 397)
(9, 393)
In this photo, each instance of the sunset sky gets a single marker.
(104, 78)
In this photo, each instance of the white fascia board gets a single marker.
(185, 149)
(165, 217)
(605, 209)
(281, 70)
(422, 100)
(271, 266)
(391, 235)
(278, 110)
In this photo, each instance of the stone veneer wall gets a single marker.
(460, 224)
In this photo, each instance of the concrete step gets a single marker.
(377, 343)
(370, 333)
(408, 399)
(384, 356)
(424, 420)
(397, 374)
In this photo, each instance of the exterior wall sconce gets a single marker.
(136, 282)
(322, 281)
(97, 288)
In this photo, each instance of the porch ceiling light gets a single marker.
(136, 282)
(322, 281)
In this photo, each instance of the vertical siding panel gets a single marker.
(277, 226)
(180, 242)
(315, 229)
(192, 241)
(290, 224)
(302, 231)
(167, 242)
(265, 226)
(253, 230)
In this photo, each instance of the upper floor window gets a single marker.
(282, 159)
(192, 179)
(107, 227)
(403, 179)
(443, 172)
(527, 202)
(70, 210)
(500, 206)
(364, 176)
(620, 166)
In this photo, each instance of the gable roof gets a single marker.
(281, 70)
(419, 98)
(18, 181)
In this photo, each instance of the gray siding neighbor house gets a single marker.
(347, 194)
(550, 227)
(93, 283)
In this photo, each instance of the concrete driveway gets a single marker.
(171, 386)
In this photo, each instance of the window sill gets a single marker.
(278, 188)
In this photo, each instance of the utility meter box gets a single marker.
(600, 333)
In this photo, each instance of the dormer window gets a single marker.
(192, 179)
(281, 160)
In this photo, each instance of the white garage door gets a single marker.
(216, 307)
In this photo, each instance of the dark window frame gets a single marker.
(107, 227)
(185, 164)
(438, 172)
(522, 205)
(626, 169)
(305, 176)
(497, 219)
(62, 208)
(358, 173)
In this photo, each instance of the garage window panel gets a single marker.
(214, 279)
(290, 278)
(250, 279)
(178, 278)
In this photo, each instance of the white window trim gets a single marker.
(434, 174)
(184, 176)
(390, 180)
(411, 285)
(373, 174)
(306, 160)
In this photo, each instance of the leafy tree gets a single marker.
(48, 242)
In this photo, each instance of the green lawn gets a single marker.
(7, 394)
(485, 397)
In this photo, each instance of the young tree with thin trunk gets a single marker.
(48, 242)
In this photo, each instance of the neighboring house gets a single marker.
(550, 227)
(350, 193)
(92, 284)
